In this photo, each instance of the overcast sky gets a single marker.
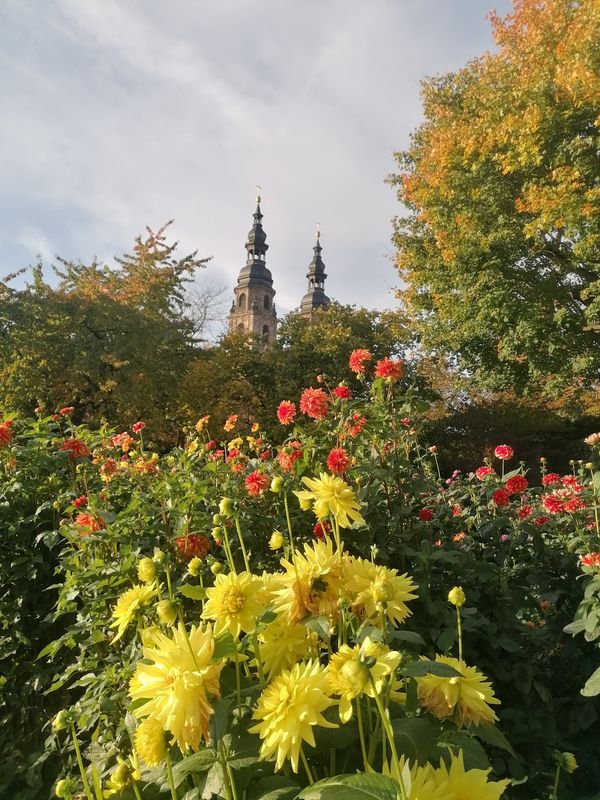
(122, 113)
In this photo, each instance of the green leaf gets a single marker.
(193, 592)
(196, 763)
(415, 737)
(320, 625)
(407, 636)
(592, 685)
(417, 669)
(492, 735)
(224, 646)
(275, 787)
(575, 627)
(352, 787)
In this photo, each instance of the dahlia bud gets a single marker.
(276, 484)
(456, 596)
(194, 566)
(216, 568)
(64, 788)
(145, 570)
(216, 534)
(159, 556)
(217, 519)
(60, 721)
(122, 775)
(566, 761)
(167, 612)
(276, 541)
(305, 504)
(433, 449)
(589, 465)
(226, 507)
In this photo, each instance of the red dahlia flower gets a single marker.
(138, 426)
(338, 461)
(358, 360)
(66, 410)
(342, 392)
(257, 483)
(516, 485)
(88, 524)
(80, 502)
(5, 434)
(76, 448)
(504, 452)
(590, 560)
(484, 472)
(552, 504)
(390, 369)
(501, 498)
(551, 479)
(425, 514)
(286, 412)
(314, 403)
(194, 545)
(321, 528)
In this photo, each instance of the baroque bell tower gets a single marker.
(315, 298)
(253, 311)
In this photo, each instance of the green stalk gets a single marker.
(136, 791)
(595, 503)
(309, 774)
(241, 538)
(459, 629)
(390, 736)
(554, 794)
(228, 550)
(170, 776)
(289, 523)
(361, 733)
(261, 674)
(86, 786)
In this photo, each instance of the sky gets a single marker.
(119, 114)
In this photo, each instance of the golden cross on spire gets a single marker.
(258, 197)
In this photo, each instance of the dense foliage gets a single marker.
(148, 550)
(500, 249)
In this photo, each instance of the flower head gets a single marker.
(286, 412)
(66, 411)
(466, 697)
(230, 422)
(314, 403)
(289, 454)
(331, 496)
(338, 461)
(456, 596)
(138, 426)
(353, 671)
(145, 570)
(283, 644)
(80, 502)
(178, 683)
(276, 541)
(193, 545)
(288, 709)
(257, 483)
(501, 498)
(471, 784)
(358, 359)
(150, 741)
(516, 485)
(76, 448)
(374, 588)
(342, 392)
(310, 584)
(88, 524)
(5, 434)
(234, 602)
(390, 369)
(481, 473)
(504, 452)
(128, 605)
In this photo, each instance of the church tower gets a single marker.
(315, 297)
(253, 311)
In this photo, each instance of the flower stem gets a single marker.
(390, 736)
(170, 776)
(289, 522)
(459, 629)
(228, 550)
(136, 791)
(554, 794)
(238, 688)
(256, 643)
(241, 538)
(86, 786)
(309, 774)
(361, 733)
(595, 503)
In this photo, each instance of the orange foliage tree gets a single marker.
(500, 248)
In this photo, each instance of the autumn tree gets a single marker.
(500, 249)
(113, 341)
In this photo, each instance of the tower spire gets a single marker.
(315, 297)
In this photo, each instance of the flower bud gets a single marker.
(194, 566)
(456, 596)
(159, 556)
(568, 762)
(145, 570)
(589, 465)
(62, 788)
(216, 568)
(122, 775)
(216, 534)
(305, 504)
(276, 484)
(60, 721)
(276, 541)
(217, 519)
(226, 507)
(167, 612)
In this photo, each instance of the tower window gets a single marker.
(265, 332)
(267, 302)
(242, 301)
(240, 327)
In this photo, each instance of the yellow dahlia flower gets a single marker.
(469, 784)
(465, 698)
(179, 683)
(424, 782)
(234, 602)
(127, 606)
(350, 677)
(283, 645)
(287, 711)
(373, 587)
(456, 596)
(150, 741)
(310, 584)
(331, 497)
(146, 570)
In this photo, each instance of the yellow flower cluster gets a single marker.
(452, 782)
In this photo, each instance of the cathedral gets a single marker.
(253, 310)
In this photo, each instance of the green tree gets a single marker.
(500, 249)
(114, 342)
